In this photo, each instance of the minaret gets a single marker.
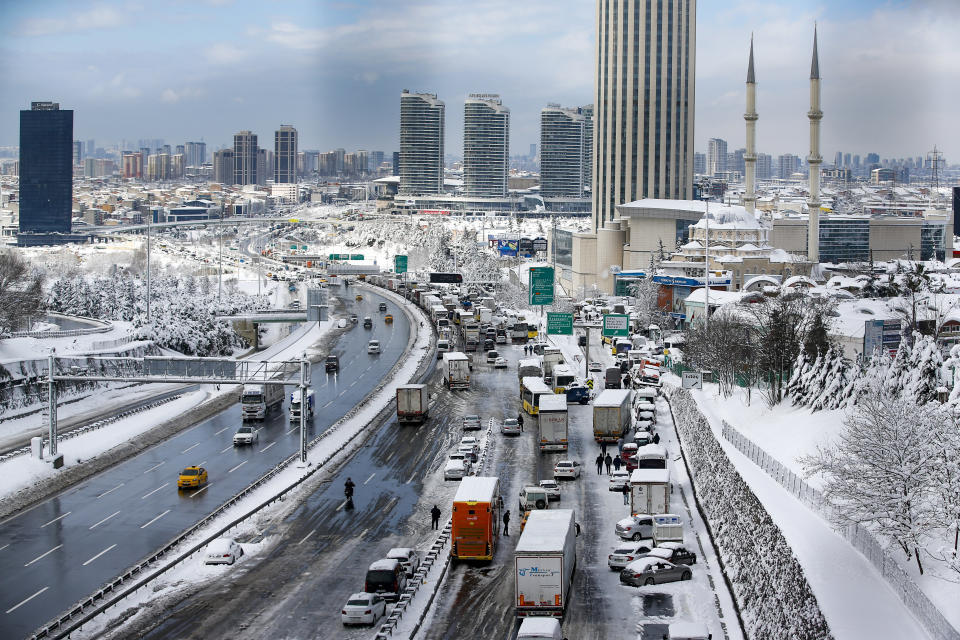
(814, 159)
(750, 157)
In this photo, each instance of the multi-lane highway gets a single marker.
(66, 547)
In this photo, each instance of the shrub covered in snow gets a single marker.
(769, 584)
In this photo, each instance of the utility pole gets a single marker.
(220, 275)
(303, 410)
(706, 270)
(149, 221)
(52, 402)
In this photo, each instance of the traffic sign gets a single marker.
(616, 325)
(400, 264)
(339, 256)
(539, 244)
(446, 278)
(541, 285)
(692, 379)
(559, 324)
(356, 256)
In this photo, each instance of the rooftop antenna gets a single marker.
(934, 160)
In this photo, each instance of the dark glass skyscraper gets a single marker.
(46, 169)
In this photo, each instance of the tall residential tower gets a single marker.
(245, 158)
(285, 155)
(46, 169)
(421, 143)
(563, 152)
(486, 146)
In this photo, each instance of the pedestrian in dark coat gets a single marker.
(599, 464)
(608, 461)
(617, 462)
(656, 438)
(520, 421)
(435, 516)
(603, 448)
(626, 493)
(506, 522)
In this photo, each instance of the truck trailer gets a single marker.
(412, 403)
(456, 370)
(611, 415)
(553, 423)
(650, 491)
(295, 405)
(256, 399)
(544, 562)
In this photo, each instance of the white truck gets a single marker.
(295, 405)
(544, 560)
(456, 370)
(529, 368)
(553, 423)
(551, 358)
(650, 491)
(256, 399)
(611, 415)
(412, 403)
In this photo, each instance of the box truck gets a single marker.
(295, 405)
(611, 415)
(553, 423)
(412, 403)
(255, 399)
(456, 370)
(475, 520)
(544, 562)
(650, 491)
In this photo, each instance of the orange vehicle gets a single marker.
(476, 519)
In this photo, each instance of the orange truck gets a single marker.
(476, 519)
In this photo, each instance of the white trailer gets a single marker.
(412, 403)
(553, 423)
(255, 399)
(456, 370)
(650, 491)
(295, 405)
(544, 560)
(611, 415)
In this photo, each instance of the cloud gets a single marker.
(98, 17)
(171, 96)
(224, 53)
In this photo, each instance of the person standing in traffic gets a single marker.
(520, 421)
(603, 448)
(599, 464)
(435, 517)
(608, 461)
(626, 493)
(506, 522)
(656, 438)
(617, 462)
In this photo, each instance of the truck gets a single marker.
(650, 491)
(471, 336)
(553, 423)
(295, 405)
(544, 561)
(475, 519)
(484, 315)
(256, 399)
(412, 403)
(529, 368)
(551, 358)
(612, 378)
(456, 370)
(611, 415)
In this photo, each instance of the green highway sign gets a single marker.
(400, 264)
(356, 256)
(616, 325)
(541, 285)
(293, 247)
(559, 324)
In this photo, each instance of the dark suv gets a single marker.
(332, 363)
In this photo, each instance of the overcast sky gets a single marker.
(190, 69)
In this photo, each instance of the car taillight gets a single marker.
(226, 555)
(629, 558)
(343, 611)
(368, 612)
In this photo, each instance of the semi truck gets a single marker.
(471, 336)
(475, 519)
(256, 399)
(456, 370)
(553, 423)
(412, 403)
(295, 405)
(529, 368)
(611, 415)
(544, 562)
(551, 358)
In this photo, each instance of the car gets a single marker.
(382, 306)
(192, 477)
(367, 322)
(353, 318)
(470, 451)
(332, 363)
(363, 608)
(388, 319)
(510, 426)
(501, 338)
(456, 468)
(387, 577)
(636, 527)
(407, 557)
(222, 551)
(642, 438)
(245, 435)
(488, 344)
(618, 479)
(675, 552)
(500, 363)
(566, 469)
(373, 346)
(471, 422)
(471, 440)
(595, 367)
(533, 497)
(492, 356)
(625, 553)
(650, 570)
(540, 629)
(552, 487)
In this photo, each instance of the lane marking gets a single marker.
(98, 555)
(154, 467)
(193, 447)
(114, 489)
(307, 536)
(200, 490)
(155, 490)
(57, 518)
(43, 555)
(227, 449)
(105, 519)
(155, 519)
(371, 477)
(221, 431)
(237, 467)
(327, 405)
(293, 429)
(268, 446)
(4, 546)
(354, 382)
(342, 505)
(17, 606)
(202, 463)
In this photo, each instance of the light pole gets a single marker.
(706, 270)
(220, 276)
(149, 220)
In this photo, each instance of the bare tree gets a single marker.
(21, 291)
(722, 347)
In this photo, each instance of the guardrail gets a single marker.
(119, 342)
(67, 333)
(64, 625)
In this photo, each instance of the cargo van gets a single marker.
(540, 629)
(386, 577)
(443, 346)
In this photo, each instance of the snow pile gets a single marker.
(774, 597)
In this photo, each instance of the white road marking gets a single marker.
(371, 477)
(105, 519)
(17, 606)
(43, 555)
(237, 467)
(98, 555)
(193, 447)
(114, 489)
(342, 392)
(221, 431)
(155, 490)
(354, 382)
(327, 405)
(200, 490)
(227, 449)
(154, 467)
(4, 546)
(267, 447)
(307, 536)
(155, 519)
(342, 505)
(202, 463)
(292, 429)
(57, 518)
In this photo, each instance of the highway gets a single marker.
(66, 547)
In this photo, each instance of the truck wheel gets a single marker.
(637, 537)
(541, 504)
(685, 575)
(648, 581)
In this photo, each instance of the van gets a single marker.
(386, 577)
(443, 346)
(540, 629)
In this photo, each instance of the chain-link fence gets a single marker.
(860, 538)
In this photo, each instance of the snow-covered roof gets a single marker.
(542, 530)
(661, 476)
(384, 564)
(717, 298)
(686, 630)
(643, 563)
(761, 279)
(794, 281)
(729, 216)
(538, 628)
(652, 450)
(555, 402)
(476, 489)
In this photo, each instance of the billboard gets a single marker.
(446, 278)
(525, 245)
(507, 247)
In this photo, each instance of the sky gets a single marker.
(204, 69)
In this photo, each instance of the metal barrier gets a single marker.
(66, 334)
(859, 537)
(119, 342)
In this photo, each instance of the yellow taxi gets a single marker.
(359, 298)
(388, 318)
(192, 478)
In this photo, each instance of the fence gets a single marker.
(110, 344)
(105, 326)
(860, 538)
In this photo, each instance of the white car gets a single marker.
(470, 451)
(500, 363)
(456, 468)
(245, 435)
(596, 367)
(618, 479)
(552, 487)
(627, 552)
(470, 440)
(373, 346)
(363, 608)
(567, 469)
(223, 551)
(471, 422)
(492, 357)
(407, 557)
(510, 426)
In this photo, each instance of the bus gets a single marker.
(563, 377)
(462, 316)
(475, 522)
(531, 390)
(621, 345)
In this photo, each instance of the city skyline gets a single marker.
(210, 89)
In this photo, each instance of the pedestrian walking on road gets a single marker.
(626, 493)
(599, 464)
(617, 462)
(520, 421)
(603, 448)
(506, 523)
(656, 438)
(435, 517)
(608, 461)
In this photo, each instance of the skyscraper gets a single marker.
(77, 152)
(716, 156)
(486, 146)
(245, 158)
(562, 156)
(196, 153)
(644, 98)
(46, 169)
(588, 146)
(421, 143)
(223, 166)
(285, 155)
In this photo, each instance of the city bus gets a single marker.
(531, 390)
(475, 521)
(563, 377)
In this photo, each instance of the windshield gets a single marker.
(245, 430)
(189, 472)
(358, 603)
(252, 398)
